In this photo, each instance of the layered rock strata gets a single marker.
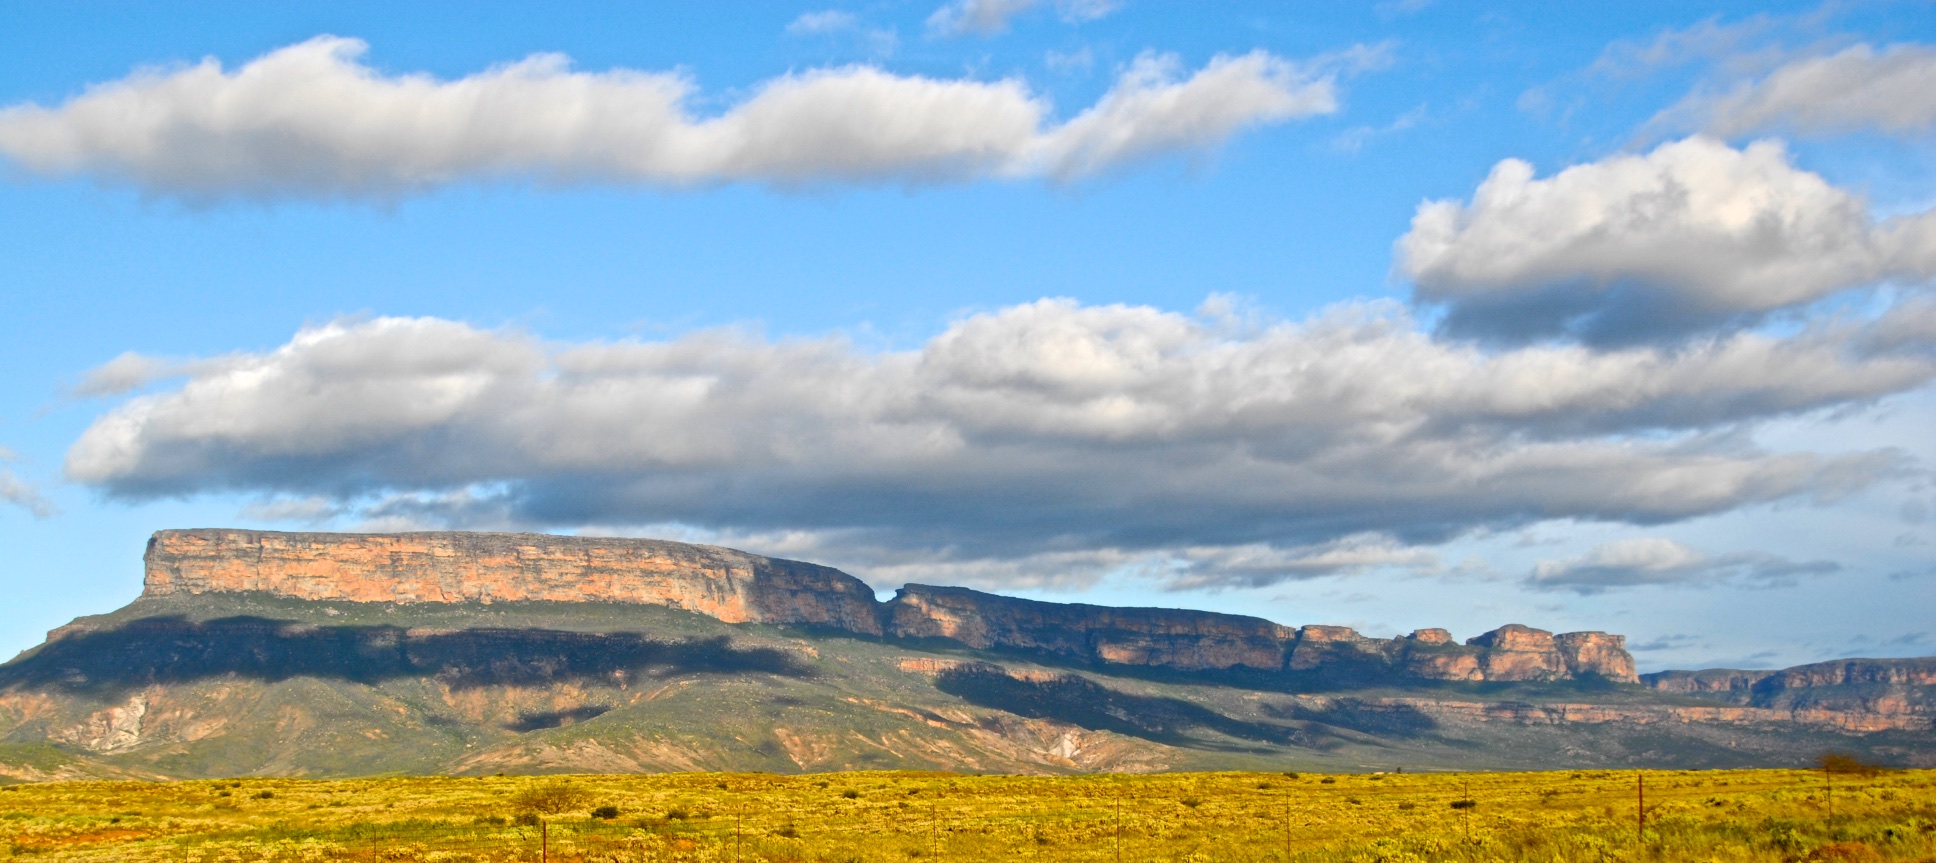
(733, 586)
(1873, 693)
(737, 587)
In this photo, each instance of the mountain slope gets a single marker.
(244, 679)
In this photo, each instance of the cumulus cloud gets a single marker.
(1691, 236)
(312, 120)
(1213, 448)
(1858, 88)
(989, 17)
(1655, 561)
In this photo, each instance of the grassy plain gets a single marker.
(896, 817)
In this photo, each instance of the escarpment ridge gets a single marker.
(737, 587)
(255, 652)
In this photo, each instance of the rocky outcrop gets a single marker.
(737, 587)
(1749, 687)
(732, 586)
(1859, 694)
(1204, 641)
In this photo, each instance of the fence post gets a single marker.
(1828, 781)
(1119, 825)
(739, 818)
(544, 841)
(1640, 805)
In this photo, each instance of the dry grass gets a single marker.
(1718, 816)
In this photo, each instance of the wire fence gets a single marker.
(1259, 822)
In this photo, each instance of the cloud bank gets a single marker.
(1651, 561)
(310, 120)
(1215, 449)
(1692, 237)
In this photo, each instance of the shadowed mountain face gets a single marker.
(1082, 702)
(172, 650)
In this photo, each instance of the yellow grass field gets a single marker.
(1743, 815)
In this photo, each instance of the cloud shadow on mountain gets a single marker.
(173, 649)
(1085, 703)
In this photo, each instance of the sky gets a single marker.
(1420, 313)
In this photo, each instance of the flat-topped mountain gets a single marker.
(736, 587)
(254, 652)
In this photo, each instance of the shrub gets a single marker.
(1844, 852)
(850, 794)
(1464, 804)
(526, 819)
(788, 831)
(1843, 762)
(264, 795)
(1327, 781)
(677, 814)
(605, 813)
(551, 798)
(489, 820)
(1191, 802)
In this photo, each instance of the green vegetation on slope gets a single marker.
(233, 685)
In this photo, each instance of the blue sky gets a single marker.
(1414, 314)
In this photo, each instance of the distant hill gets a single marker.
(347, 654)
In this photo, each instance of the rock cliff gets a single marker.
(737, 587)
(732, 586)
(1861, 694)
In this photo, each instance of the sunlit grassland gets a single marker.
(944, 818)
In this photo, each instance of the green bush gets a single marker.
(605, 813)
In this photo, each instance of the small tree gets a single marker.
(551, 798)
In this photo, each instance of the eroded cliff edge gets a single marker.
(736, 587)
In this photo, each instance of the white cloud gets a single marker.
(1858, 88)
(1154, 110)
(311, 120)
(825, 21)
(1655, 561)
(21, 493)
(989, 17)
(125, 373)
(1690, 236)
(1748, 45)
(1213, 449)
